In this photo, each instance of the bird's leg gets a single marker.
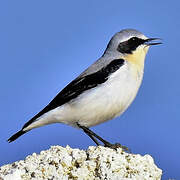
(88, 133)
(92, 135)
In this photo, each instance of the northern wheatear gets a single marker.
(103, 91)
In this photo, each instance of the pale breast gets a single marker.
(107, 100)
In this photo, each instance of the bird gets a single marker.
(103, 91)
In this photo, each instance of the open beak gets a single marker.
(149, 42)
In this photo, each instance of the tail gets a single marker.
(15, 136)
(22, 131)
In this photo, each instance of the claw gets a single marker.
(116, 146)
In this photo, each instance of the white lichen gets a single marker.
(97, 163)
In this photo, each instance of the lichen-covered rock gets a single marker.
(97, 163)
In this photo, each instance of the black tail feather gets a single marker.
(15, 136)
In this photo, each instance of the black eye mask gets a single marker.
(130, 45)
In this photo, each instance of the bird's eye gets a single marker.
(133, 39)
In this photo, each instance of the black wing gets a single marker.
(80, 85)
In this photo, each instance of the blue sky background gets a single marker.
(46, 44)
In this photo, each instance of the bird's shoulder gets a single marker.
(87, 80)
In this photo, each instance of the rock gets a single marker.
(99, 163)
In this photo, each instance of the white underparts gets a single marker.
(99, 104)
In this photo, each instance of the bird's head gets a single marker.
(130, 45)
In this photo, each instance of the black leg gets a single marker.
(92, 135)
(89, 132)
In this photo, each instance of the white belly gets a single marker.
(105, 102)
(99, 104)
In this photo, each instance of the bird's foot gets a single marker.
(116, 146)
